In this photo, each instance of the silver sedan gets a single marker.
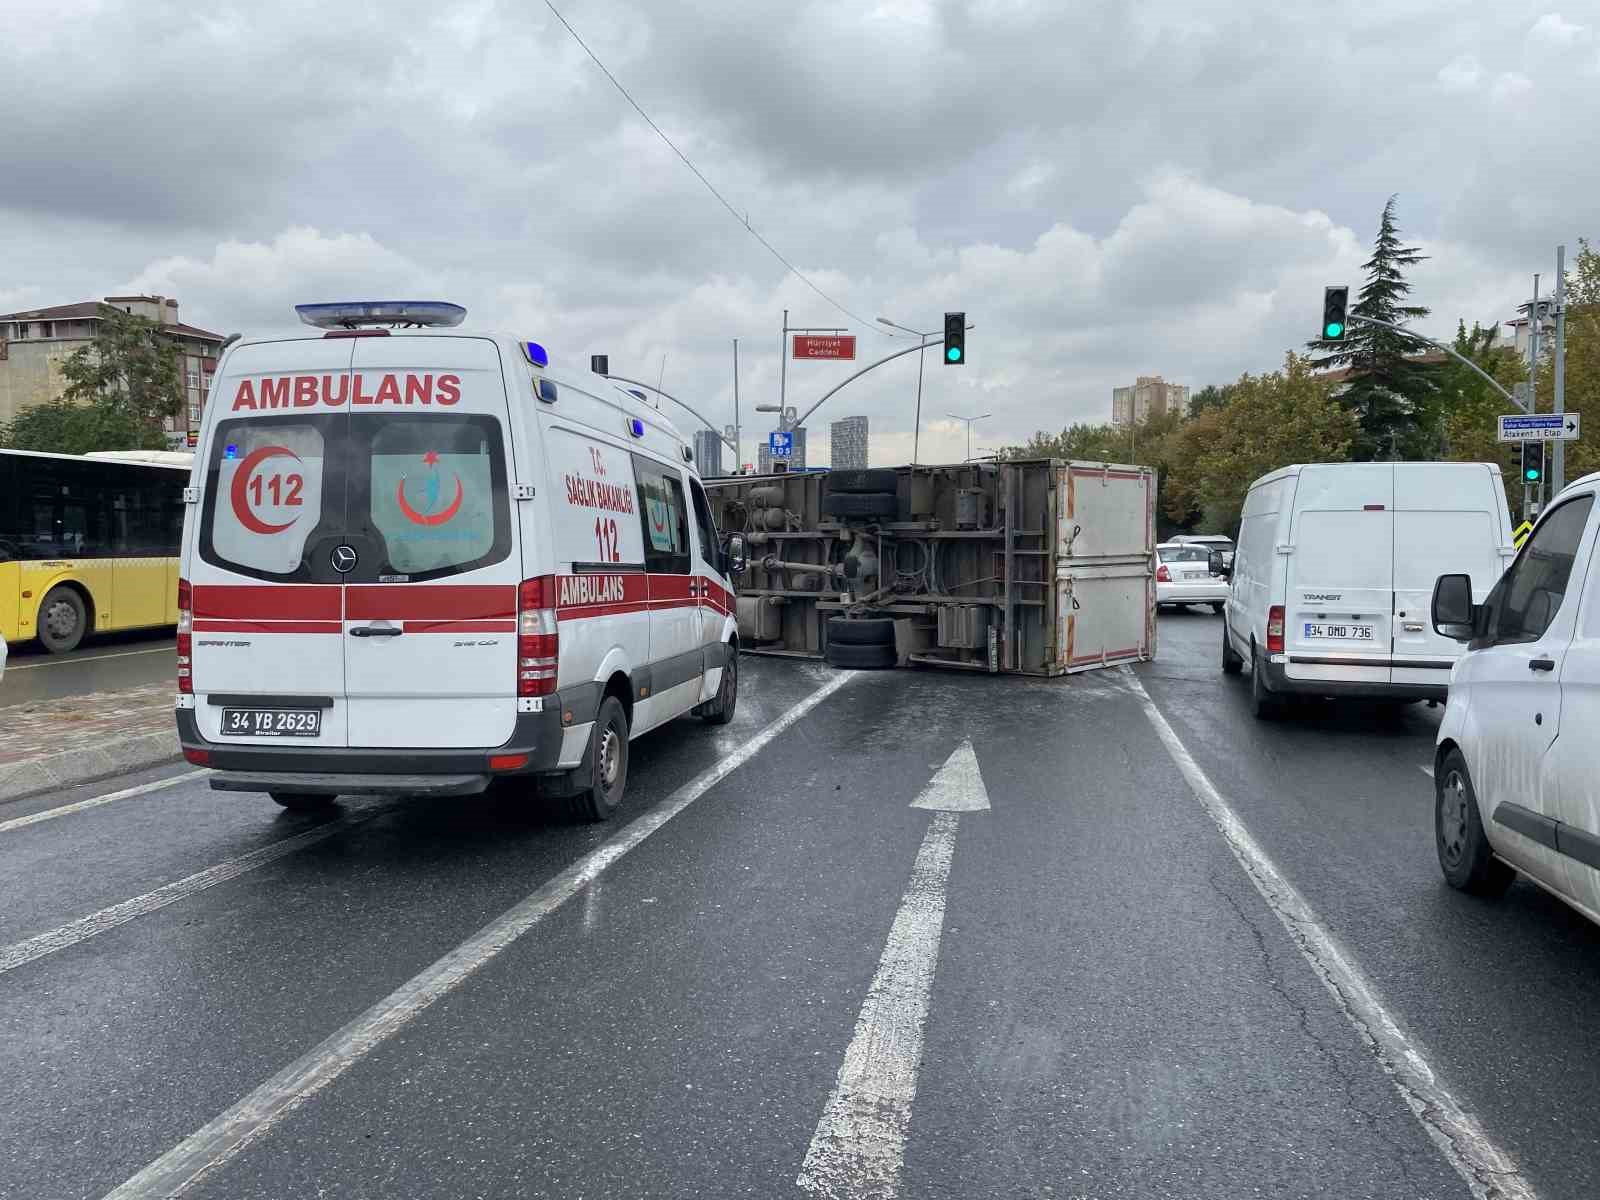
(1183, 576)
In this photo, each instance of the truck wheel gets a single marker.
(878, 479)
(608, 759)
(720, 710)
(1464, 854)
(861, 658)
(304, 802)
(874, 631)
(860, 504)
(1264, 703)
(62, 620)
(1232, 660)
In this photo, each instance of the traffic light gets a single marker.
(1334, 302)
(955, 338)
(1532, 463)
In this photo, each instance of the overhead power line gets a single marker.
(710, 187)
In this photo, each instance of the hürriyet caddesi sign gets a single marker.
(830, 345)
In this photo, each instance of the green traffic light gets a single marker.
(1532, 475)
(953, 354)
(1333, 329)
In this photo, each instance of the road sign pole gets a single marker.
(783, 367)
(1558, 469)
(916, 427)
(738, 436)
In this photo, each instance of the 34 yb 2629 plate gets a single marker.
(271, 722)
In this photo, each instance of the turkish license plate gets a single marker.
(1197, 575)
(272, 722)
(1341, 633)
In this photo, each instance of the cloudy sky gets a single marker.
(1108, 189)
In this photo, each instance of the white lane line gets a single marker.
(67, 662)
(96, 801)
(250, 1118)
(84, 928)
(1489, 1172)
(1428, 771)
(858, 1149)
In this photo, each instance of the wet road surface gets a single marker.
(110, 663)
(849, 964)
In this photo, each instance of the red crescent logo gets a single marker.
(438, 518)
(241, 480)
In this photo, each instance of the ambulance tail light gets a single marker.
(1163, 575)
(185, 637)
(538, 643)
(1275, 629)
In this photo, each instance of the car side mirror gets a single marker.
(1454, 614)
(734, 556)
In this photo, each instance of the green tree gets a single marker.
(1470, 407)
(1389, 393)
(120, 387)
(1209, 397)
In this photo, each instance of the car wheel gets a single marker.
(62, 620)
(304, 802)
(1264, 703)
(1217, 606)
(608, 760)
(1232, 660)
(720, 710)
(1465, 856)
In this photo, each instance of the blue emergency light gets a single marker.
(348, 314)
(536, 354)
(232, 451)
(636, 427)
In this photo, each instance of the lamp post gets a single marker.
(916, 428)
(969, 421)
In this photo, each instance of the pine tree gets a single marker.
(1384, 388)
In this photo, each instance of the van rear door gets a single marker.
(1446, 520)
(1339, 594)
(268, 648)
(431, 604)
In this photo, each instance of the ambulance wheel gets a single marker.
(720, 710)
(303, 801)
(608, 759)
(62, 618)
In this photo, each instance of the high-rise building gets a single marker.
(848, 443)
(1150, 396)
(797, 460)
(708, 453)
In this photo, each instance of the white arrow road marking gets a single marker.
(858, 1150)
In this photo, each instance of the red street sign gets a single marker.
(194, 437)
(829, 345)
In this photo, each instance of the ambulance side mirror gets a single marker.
(734, 556)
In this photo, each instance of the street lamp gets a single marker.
(969, 421)
(916, 428)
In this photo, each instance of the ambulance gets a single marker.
(416, 559)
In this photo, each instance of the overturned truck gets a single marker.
(1036, 567)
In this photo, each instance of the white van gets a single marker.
(1334, 574)
(416, 559)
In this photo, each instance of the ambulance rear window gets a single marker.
(265, 494)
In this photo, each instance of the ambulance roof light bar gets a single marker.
(351, 314)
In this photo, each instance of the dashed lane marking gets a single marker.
(67, 662)
(1489, 1172)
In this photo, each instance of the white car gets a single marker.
(1517, 765)
(417, 559)
(1183, 576)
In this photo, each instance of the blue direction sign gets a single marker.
(780, 444)
(1539, 427)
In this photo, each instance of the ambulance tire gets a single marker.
(608, 764)
(861, 658)
(720, 710)
(861, 504)
(874, 631)
(304, 802)
(871, 479)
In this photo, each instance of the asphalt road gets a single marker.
(101, 664)
(800, 977)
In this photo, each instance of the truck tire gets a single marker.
(608, 764)
(861, 658)
(63, 620)
(1232, 660)
(719, 711)
(875, 631)
(1465, 856)
(861, 504)
(304, 802)
(859, 480)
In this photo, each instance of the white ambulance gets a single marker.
(415, 559)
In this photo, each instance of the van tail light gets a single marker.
(1275, 629)
(185, 637)
(1163, 575)
(538, 644)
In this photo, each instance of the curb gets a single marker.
(50, 771)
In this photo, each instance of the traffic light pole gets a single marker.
(722, 437)
(1464, 361)
(926, 345)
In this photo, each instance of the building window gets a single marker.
(22, 330)
(192, 377)
(194, 415)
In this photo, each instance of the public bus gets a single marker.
(89, 544)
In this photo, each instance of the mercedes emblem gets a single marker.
(344, 559)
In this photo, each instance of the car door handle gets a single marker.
(376, 631)
(1541, 664)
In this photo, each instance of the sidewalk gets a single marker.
(48, 744)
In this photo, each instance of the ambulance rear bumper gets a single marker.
(535, 740)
